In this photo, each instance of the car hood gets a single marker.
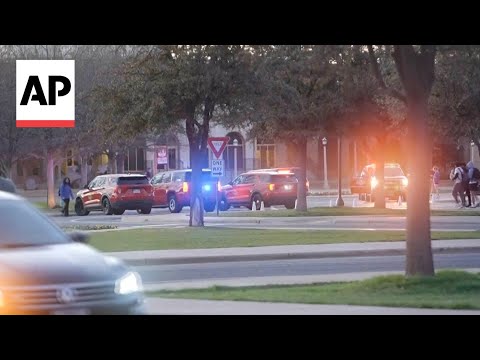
(80, 192)
(57, 264)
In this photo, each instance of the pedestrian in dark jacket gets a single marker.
(66, 194)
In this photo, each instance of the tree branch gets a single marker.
(378, 75)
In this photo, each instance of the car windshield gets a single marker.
(23, 225)
(206, 176)
(132, 180)
(393, 171)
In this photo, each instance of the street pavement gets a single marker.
(295, 268)
(159, 306)
(163, 218)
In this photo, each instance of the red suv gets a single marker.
(272, 188)
(172, 189)
(113, 194)
(285, 170)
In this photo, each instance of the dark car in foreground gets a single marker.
(253, 188)
(45, 271)
(113, 194)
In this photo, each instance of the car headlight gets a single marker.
(374, 182)
(129, 284)
(405, 182)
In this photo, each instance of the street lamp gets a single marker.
(339, 199)
(325, 175)
(235, 145)
(355, 158)
(472, 144)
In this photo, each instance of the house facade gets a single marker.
(171, 151)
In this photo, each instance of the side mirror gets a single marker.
(80, 237)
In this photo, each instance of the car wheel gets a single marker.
(79, 209)
(257, 199)
(290, 205)
(145, 210)
(209, 207)
(223, 205)
(118, 212)
(173, 205)
(107, 207)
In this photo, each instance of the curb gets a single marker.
(288, 256)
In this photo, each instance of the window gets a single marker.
(229, 153)
(178, 176)
(100, 182)
(167, 178)
(157, 179)
(238, 180)
(172, 158)
(250, 179)
(19, 168)
(70, 158)
(133, 180)
(265, 155)
(93, 183)
(135, 159)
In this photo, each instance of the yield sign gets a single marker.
(217, 145)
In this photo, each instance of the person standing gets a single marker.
(66, 194)
(474, 177)
(456, 176)
(465, 185)
(435, 182)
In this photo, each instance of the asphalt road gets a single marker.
(162, 218)
(156, 274)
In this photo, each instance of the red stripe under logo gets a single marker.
(45, 123)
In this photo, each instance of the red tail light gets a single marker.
(118, 190)
(185, 187)
(271, 187)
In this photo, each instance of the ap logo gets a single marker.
(45, 93)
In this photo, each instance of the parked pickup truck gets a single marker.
(395, 181)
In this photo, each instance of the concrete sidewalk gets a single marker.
(159, 306)
(276, 280)
(160, 257)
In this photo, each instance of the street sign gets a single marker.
(162, 157)
(218, 168)
(217, 145)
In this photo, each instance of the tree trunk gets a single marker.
(111, 161)
(121, 163)
(419, 250)
(51, 193)
(84, 180)
(380, 176)
(302, 178)
(196, 197)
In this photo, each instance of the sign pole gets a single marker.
(216, 197)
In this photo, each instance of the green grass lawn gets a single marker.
(205, 238)
(42, 205)
(344, 211)
(447, 290)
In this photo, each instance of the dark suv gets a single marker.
(172, 189)
(272, 188)
(113, 194)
